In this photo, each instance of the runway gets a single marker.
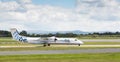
(104, 50)
(101, 40)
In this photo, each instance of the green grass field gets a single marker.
(6, 39)
(99, 37)
(97, 57)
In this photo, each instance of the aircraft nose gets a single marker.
(81, 42)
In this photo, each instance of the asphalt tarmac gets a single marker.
(104, 50)
(101, 40)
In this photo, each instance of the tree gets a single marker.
(5, 33)
(23, 33)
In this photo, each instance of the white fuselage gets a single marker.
(43, 40)
(50, 40)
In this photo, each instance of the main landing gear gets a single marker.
(78, 44)
(46, 45)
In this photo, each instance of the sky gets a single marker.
(60, 15)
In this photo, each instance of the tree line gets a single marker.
(24, 33)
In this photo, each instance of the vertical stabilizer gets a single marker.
(16, 36)
(14, 33)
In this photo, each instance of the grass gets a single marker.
(97, 57)
(7, 40)
(99, 37)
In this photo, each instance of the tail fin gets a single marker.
(16, 36)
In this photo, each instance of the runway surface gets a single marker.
(101, 40)
(104, 50)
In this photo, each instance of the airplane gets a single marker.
(46, 41)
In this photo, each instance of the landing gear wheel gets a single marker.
(78, 44)
(44, 45)
(48, 44)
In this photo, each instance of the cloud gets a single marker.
(92, 15)
(8, 6)
(101, 10)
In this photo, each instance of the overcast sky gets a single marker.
(60, 15)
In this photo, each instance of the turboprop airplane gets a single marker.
(46, 41)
